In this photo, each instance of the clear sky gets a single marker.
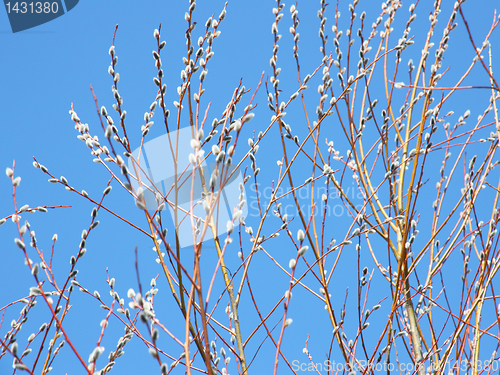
(47, 69)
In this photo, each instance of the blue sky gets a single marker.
(46, 69)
